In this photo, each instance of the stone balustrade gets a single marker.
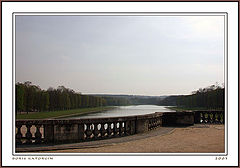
(209, 117)
(79, 130)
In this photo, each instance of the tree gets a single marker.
(19, 97)
(31, 98)
(44, 101)
(211, 97)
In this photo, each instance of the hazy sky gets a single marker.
(144, 55)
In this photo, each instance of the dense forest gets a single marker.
(31, 98)
(211, 97)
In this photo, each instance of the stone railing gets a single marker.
(79, 130)
(209, 117)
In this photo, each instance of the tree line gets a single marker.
(211, 97)
(123, 100)
(141, 100)
(31, 98)
(116, 101)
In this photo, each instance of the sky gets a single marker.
(135, 55)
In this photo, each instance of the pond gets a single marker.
(120, 111)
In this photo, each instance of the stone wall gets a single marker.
(178, 119)
(78, 130)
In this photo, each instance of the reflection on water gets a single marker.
(125, 111)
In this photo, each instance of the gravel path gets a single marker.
(197, 138)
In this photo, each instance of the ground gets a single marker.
(194, 139)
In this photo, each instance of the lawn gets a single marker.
(62, 113)
(189, 108)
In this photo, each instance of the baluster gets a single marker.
(200, 117)
(92, 129)
(211, 117)
(204, 117)
(123, 128)
(223, 117)
(208, 117)
(217, 118)
(96, 131)
(88, 131)
(19, 135)
(113, 128)
(109, 130)
(103, 131)
(117, 129)
(29, 134)
(214, 118)
(38, 134)
(156, 123)
(152, 123)
(159, 121)
(149, 124)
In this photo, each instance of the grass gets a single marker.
(62, 113)
(187, 108)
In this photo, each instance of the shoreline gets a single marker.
(61, 114)
(67, 114)
(83, 113)
(177, 109)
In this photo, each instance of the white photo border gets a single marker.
(15, 10)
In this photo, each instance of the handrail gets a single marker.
(55, 131)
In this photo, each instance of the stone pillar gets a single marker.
(49, 133)
(186, 119)
(178, 119)
(197, 117)
(141, 125)
(132, 127)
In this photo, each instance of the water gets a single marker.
(125, 111)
